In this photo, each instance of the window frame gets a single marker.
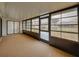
(61, 24)
(70, 7)
(35, 25)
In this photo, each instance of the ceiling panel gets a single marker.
(25, 10)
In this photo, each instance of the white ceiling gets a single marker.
(25, 10)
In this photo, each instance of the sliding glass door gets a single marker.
(44, 31)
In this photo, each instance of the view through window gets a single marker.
(35, 25)
(65, 24)
(44, 33)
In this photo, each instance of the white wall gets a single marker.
(4, 16)
(4, 27)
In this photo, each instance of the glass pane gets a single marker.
(44, 16)
(44, 35)
(70, 24)
(70, 36)
(68, 13)
(28, 29)
(57, 28)
(28, 24)
(20, 26)
(35, 25)
(44, 27)
(16, 27)
(35, 30)
(56, 34)
(56, 21)
(35, 21)
(44, 21)
(10, 27)
(56, 15)
(24, 25)
(44, 24)
(56, 24)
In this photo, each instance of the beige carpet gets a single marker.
(22, 45)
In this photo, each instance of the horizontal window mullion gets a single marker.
(35, 25)
(61, 24)
(44, 30)
(64, 17)
(36, 28)
(44, 24)
(64, 31)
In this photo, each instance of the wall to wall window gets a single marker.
(65, 24)
(59, 28)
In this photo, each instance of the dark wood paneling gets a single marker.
(66, 45)
(34, 35)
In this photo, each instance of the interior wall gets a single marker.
(4, 30)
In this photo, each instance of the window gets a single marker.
(10, 27)
(35, 25)
(44, 33)
(44, 16)
(65, 24)
(56, 25)
(13, 27)
(69, 13)
(44, 24)
(24, 22)
(70, 24)
(28, 25)
(16, 27)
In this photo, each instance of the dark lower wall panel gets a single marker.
(66, 45)
(35, 35)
